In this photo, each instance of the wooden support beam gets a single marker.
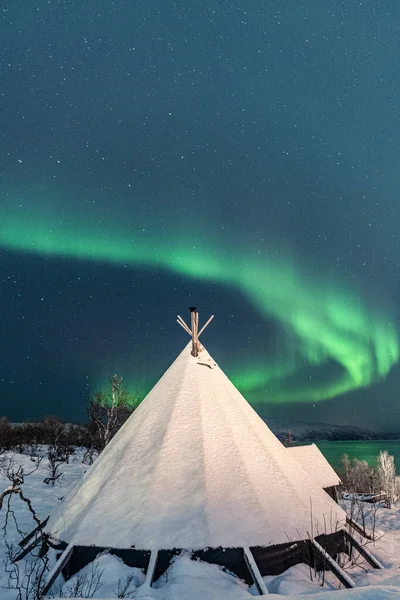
(30, 535)
(345, 579)
(254, 571)
(365, 553)
(205, 325)
(364, 532)
(56, 570)
(183, 324)
(28, 549)
(151, 567)
(194, 332)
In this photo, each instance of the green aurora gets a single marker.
(327, 323)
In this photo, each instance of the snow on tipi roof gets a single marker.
(194, 467)
(314, 462)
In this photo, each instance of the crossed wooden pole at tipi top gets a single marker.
(194, 331)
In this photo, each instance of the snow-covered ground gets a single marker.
(186, 579)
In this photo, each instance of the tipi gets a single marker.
(314, 462)
(196, 469)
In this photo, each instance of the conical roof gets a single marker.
(194, 467)
(314, 462)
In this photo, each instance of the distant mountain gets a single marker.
(324, 431)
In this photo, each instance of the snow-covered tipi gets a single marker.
(314, 462)
(196, 469)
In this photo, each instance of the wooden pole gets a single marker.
(55, 571)
(183, 324)
(151, 567)
(343, 577)
(204, 326)
(254, 571)
(364, 532)
(194, 322)
(370, 558)
(28, 548)
(30, 535)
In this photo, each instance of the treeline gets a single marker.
(18, 437)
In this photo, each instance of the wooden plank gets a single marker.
(30, 535)
(254, 571)
(55, 571)
(364, 532)
(345, 579)
(152, 567)
(365, 553)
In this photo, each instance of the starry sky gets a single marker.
(240, 157)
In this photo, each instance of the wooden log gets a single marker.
(345, 579)
(365, 553)
(254, 571)
(56, 570)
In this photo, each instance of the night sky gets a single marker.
(240, 157)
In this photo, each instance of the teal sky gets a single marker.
(242, 159)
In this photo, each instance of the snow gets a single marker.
(190, 580)
(314, 462)
(376, 593)
(110, 574)
(295, 579)
(194, 467)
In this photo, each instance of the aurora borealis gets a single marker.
(239, 159)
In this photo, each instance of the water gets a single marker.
(362, 449)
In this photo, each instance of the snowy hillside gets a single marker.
(321, 431)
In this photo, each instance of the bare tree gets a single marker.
(25, 578)
(345, 471)
(288, 439)
(57, 452)
(387, 476)
(107, 411)
(16, 476)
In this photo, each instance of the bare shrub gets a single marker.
(126, 587)
(26, 578)
(82, 585)
(357, 476)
